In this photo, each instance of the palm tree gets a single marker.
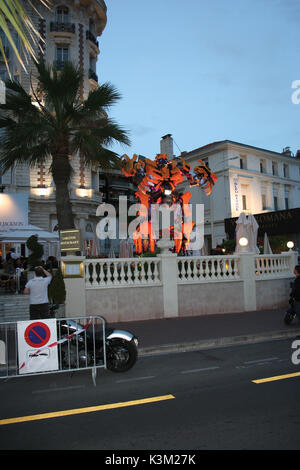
(53, 122)
(13, 15)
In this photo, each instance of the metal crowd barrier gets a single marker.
(78, 348)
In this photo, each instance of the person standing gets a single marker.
(37, 288)
(295, 294)
(12, 255)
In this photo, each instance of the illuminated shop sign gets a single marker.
(13, 211)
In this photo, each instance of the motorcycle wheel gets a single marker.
(68, 356)
(72, 357)
(121, 355)
(288, 318)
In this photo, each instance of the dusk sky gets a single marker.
(203, 71)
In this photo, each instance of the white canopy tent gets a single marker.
(15, 238)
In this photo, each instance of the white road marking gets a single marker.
(267, 359)
(203, 369)
(58, 389)
(135, 379)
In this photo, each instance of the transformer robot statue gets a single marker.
(156, 181)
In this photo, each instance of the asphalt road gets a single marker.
(197, 400)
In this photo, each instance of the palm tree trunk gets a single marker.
(61, 171)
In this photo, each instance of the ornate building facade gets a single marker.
(71, 31)
(252, 180)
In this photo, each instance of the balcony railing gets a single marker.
(59, 64)
(93, 75)
(91, 37)
(62, 27)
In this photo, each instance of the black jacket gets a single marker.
(296, 289)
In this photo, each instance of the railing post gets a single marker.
(247, 274)
(73, 272)
(293, 259)
(169, 275)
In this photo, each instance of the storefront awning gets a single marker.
(273, 223)
(22, 234)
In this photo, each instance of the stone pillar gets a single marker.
(169, 279)
(293, 259)
(247, 273)
(73, 272)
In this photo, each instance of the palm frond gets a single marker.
(60, 88)
(60, 125)
(102, 98)
(14, 15)
(27, 140)
(60, 117)
(17, 100)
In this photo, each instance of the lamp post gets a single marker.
(243, 242)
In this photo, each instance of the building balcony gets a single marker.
(93, 75)
(86, 195)
(92, 38)
(62, 29)
(59, 64)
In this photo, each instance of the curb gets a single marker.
(217, 342)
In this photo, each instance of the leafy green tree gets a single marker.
(53, 122)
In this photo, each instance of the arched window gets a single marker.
(62, 55)
(89, 228)
(62, 14)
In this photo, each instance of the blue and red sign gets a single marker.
(37, 334)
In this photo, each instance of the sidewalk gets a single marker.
(194, 333)
(201, 332)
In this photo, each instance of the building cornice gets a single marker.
(263, 177)
(96, 9)
(238, 147)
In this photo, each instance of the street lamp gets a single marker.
(243, 242)
(290, 245)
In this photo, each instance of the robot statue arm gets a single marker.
(128, 165)
(204, 177)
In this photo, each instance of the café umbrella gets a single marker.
(252, 231)
(267, 246)
(124, 249)
(111, 253)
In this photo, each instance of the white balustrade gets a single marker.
(208, 268)
(122, 272)
(270, 266)
(132, 272)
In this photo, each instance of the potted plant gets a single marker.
(36, 254)
(57, 292)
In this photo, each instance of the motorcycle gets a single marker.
(82, 345)
(290, 313)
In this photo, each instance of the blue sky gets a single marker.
(203, 70)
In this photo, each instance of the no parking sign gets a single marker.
(34, 339)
